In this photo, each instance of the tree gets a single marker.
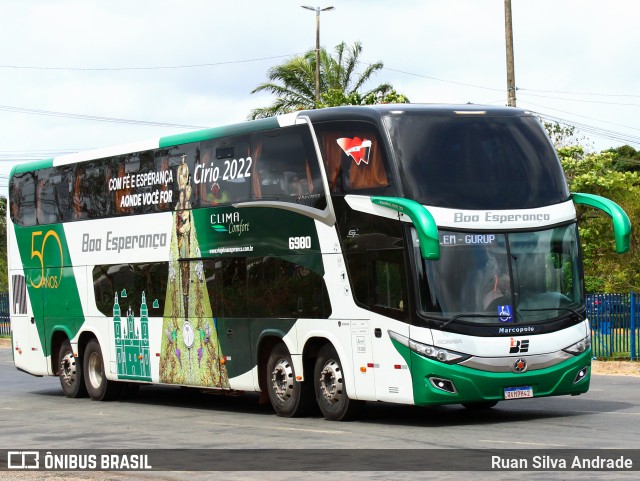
(605, 271)
(626, 158)
(293, 82)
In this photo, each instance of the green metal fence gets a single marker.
(614, 325)
(5, 328)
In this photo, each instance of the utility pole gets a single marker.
(317, 10)
(511, 74)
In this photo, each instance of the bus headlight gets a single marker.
(579, 347)
(432, 352)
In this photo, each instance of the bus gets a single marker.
(411, 254)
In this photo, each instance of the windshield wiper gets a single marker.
(460, 316)
(446, 322)
(582, 317)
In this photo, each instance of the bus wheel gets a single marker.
(331, 392)
(288, 397)
(480, 405)
(70, 372)
(98, 386)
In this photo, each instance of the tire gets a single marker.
(480, 406)
(288, 397)
(331, 393)
(70, 372)
(98, 386)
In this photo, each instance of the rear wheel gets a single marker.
(98, 386)
(70, 372)
(288, 397)
(331, 392)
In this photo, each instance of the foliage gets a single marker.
(605, 271)
(626, 158)
(294, 82)
(4, 282)
(562, 135)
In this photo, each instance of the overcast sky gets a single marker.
(195, 62)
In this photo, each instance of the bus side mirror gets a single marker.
(620, 219)
(422, 219)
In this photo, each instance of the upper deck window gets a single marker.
(476, 161)
(354, 157)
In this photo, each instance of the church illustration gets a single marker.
(132, 346)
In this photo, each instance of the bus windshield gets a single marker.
(476, 161)
(490, 278)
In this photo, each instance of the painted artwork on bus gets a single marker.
(190, 353)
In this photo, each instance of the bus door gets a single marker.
(389, 301)
(25, 310)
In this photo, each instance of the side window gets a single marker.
(389, 294)
(89, 191)
(279, 288)
(134, 284)
(376, 262)
(285, 167)
(354, 157)
(227, 286)
(223, 172)
(62, 182)
(47, 207)
(23, 198)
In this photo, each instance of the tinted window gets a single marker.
(375, 261)
(129, 282)
(354, 157)
(477, 161)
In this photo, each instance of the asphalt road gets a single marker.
(35, 415)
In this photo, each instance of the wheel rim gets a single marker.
(331, 382)
(68, 370)
(282, 380)
(95, 369)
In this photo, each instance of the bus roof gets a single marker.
(369, 112)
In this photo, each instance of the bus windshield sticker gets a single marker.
(358, 149)
(505, 313)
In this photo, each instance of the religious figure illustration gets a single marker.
(190, 352)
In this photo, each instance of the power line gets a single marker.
(157, 67)
(439, 79)
(584, 101)
(576, 93)
(21, 110)
(590, 129)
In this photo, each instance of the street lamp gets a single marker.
(317, 10)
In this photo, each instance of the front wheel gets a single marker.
(288, 397)
(70, 372)
(331, 392)
(98, 386)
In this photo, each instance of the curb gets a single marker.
(5, 343)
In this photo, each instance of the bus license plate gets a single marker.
(518, 392)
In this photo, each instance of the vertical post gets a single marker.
(511, 75)
(317, 57)
(317, 10)
(633, 326)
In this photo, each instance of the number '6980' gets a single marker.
(298, 243)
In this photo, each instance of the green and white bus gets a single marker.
(402, 253)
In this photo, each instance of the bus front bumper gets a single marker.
(438, 383)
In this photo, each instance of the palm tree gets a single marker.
(293, 82)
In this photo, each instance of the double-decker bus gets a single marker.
(403, 253)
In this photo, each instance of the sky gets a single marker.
(83, 74)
